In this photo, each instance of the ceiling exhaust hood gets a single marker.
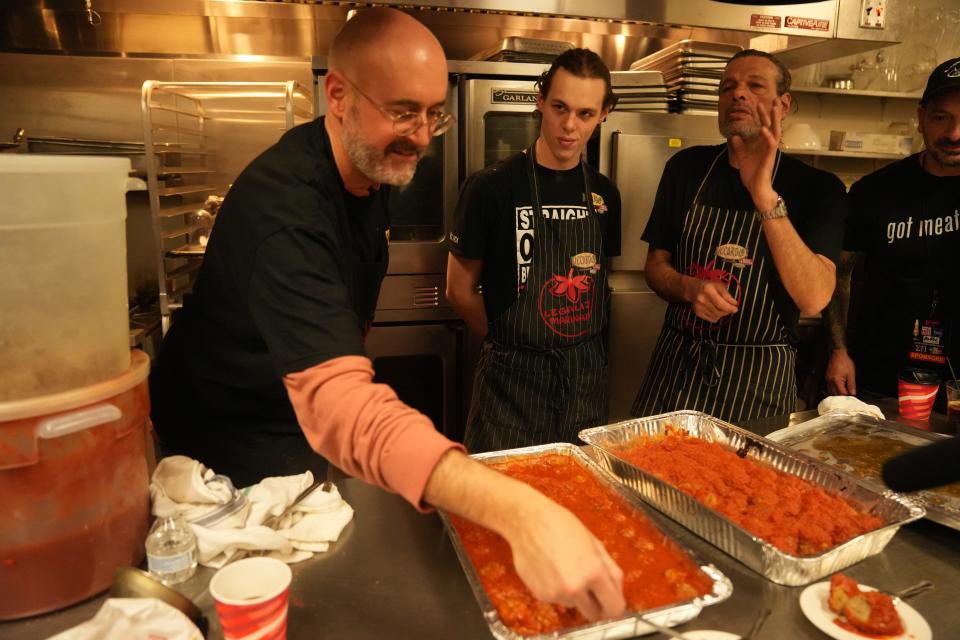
(620, 30)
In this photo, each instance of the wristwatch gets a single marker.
(779, 211)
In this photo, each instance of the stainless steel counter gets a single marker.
(394, 574)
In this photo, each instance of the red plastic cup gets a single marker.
(251, 596)
(918, 391)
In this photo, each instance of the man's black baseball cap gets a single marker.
(946, 76)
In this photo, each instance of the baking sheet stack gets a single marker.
(691, 72)
(641, 91)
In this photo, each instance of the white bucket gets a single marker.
(63, 293)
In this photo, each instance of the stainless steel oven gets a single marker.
(497, 107)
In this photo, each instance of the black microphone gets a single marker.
(932, 465)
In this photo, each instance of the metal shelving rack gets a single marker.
(179, 123)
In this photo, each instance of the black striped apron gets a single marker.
(742, 366)
(542, 372)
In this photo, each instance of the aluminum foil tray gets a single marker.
(814, 438)
(772, 563)
(626, 627)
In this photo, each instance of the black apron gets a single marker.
(742, 366)
(542, 373)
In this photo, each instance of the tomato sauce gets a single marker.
(656, 571)
(846, 626)
(791, 514)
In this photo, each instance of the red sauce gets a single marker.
(76, 512)
(846, 626)
(791, 514)
(656, 571)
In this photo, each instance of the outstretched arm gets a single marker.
(364, 429)
(558, 559)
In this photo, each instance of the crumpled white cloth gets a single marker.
(832, 403)
(184, 485)
(134, 619)
(227, 521)
(848, 403)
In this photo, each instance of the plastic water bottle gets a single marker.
(171, 550)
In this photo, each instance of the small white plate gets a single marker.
(710, 635)
(813, 603)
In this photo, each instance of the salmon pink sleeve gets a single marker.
(364, 429)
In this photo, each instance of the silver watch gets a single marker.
(779, 211)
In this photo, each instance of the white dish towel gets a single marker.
(227, 521)
(848, 403)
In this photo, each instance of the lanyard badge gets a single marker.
(929, 339)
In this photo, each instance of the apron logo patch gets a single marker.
(566, 304)
(734, 253)
(598, 203)
(585, 260)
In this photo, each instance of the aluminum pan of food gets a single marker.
(631, 624)
(761, 556)
(860, 444)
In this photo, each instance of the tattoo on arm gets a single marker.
(836, 312)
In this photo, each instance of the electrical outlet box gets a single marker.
(873, 14)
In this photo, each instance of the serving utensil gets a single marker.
(667, 631)
(273, 521)
(913, 590)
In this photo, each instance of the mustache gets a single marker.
(947, 142)
(404, 146)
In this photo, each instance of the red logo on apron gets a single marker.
(566, 304)
(710, 273)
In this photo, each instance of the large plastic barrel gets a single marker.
(74, 491)
(63, 295)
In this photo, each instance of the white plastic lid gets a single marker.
(66, 400)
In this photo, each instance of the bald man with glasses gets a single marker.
(264, 371)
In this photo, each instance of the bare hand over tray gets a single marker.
(557, 558)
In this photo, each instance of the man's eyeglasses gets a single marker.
(409, 122)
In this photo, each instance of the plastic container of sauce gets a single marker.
(74, 482)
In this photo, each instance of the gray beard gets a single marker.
(371, 161)
(746, 132)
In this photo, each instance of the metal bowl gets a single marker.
(130, 582)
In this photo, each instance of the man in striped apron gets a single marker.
(742, 240)
(535, 230)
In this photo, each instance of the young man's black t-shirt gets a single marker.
(907, 222)
(289, 280)
(491, 222)
(816, 205)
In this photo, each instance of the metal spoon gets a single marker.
(667, 631)
(914, 590)
(272, 521)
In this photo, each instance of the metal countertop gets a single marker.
(394, 574)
